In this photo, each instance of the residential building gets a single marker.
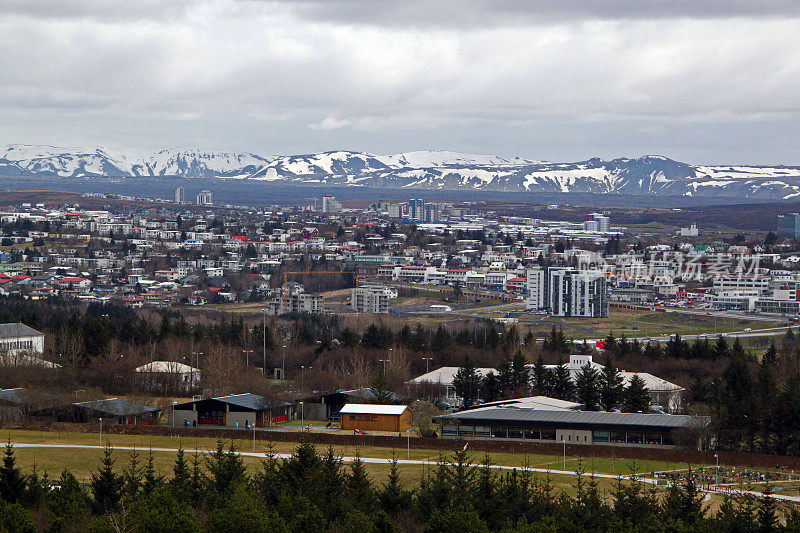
(180, 195)
(789, 225)
(331, 205)
(603, 222)
(205, 197)
(17, 338)
(564, 291)
(443, 377)
(294, 299)
(371, 299)
(415, 209)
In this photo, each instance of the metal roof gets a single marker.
(372, 409)
(17, 329)
(252, 402)
(117, 407)
(593, 419)
(23, 396)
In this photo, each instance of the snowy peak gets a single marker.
(427, 159)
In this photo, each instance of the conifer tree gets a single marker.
(611, 386)
(394, 497)
(637, 397)
(132, 476)
(563, 387)
(107, 486)
(12, 482)
(152, 480)
(467, 383)
(587, 387)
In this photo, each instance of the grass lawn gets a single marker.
(82, 461)
(636, 323)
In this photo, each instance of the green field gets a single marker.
(82, 461)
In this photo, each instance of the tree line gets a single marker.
(318, 492)
(594, 389)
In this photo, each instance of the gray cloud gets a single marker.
(704, 81)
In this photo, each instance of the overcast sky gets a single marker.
(703, 81)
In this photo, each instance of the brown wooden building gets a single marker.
(375, 417)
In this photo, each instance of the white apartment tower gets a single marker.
(370, 299)
(564, 291)
(331, 205)
(603, 222)
(205, 197)
(180, 195)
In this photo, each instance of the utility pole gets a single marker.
(264, 367)
(196, 365)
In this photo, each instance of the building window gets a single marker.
(635, 438)
(449, 431)
(652, 438)
(532, 434)
(483, 431)
(548, 434)
(499, 432)
(617, 436)
(514, 433)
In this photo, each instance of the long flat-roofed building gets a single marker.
(572, 427)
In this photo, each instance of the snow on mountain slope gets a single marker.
(651, 174)
(83, 162)
(428, 159)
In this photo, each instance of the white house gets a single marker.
(169, 373)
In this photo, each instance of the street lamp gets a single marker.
(283, 362)
(408, 444)
(303, 377)
(264, 367)
(196, 365)
(384, 361)
(247, 357)
(302, 416)
(427, 360)
(173, 413)
(716, 472)
(101, 432)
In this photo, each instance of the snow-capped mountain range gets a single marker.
(413, 170)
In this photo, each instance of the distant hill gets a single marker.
(647, 175)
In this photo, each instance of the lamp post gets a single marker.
(408, 444)
(196, 363)
(101, 432)
(716, 472)
(427, 362)
(384, 361)
(173, 413)
(254, 436)
(283, 362)
(565, 452)
(302, 416)
(264, 367)
(247, 357)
